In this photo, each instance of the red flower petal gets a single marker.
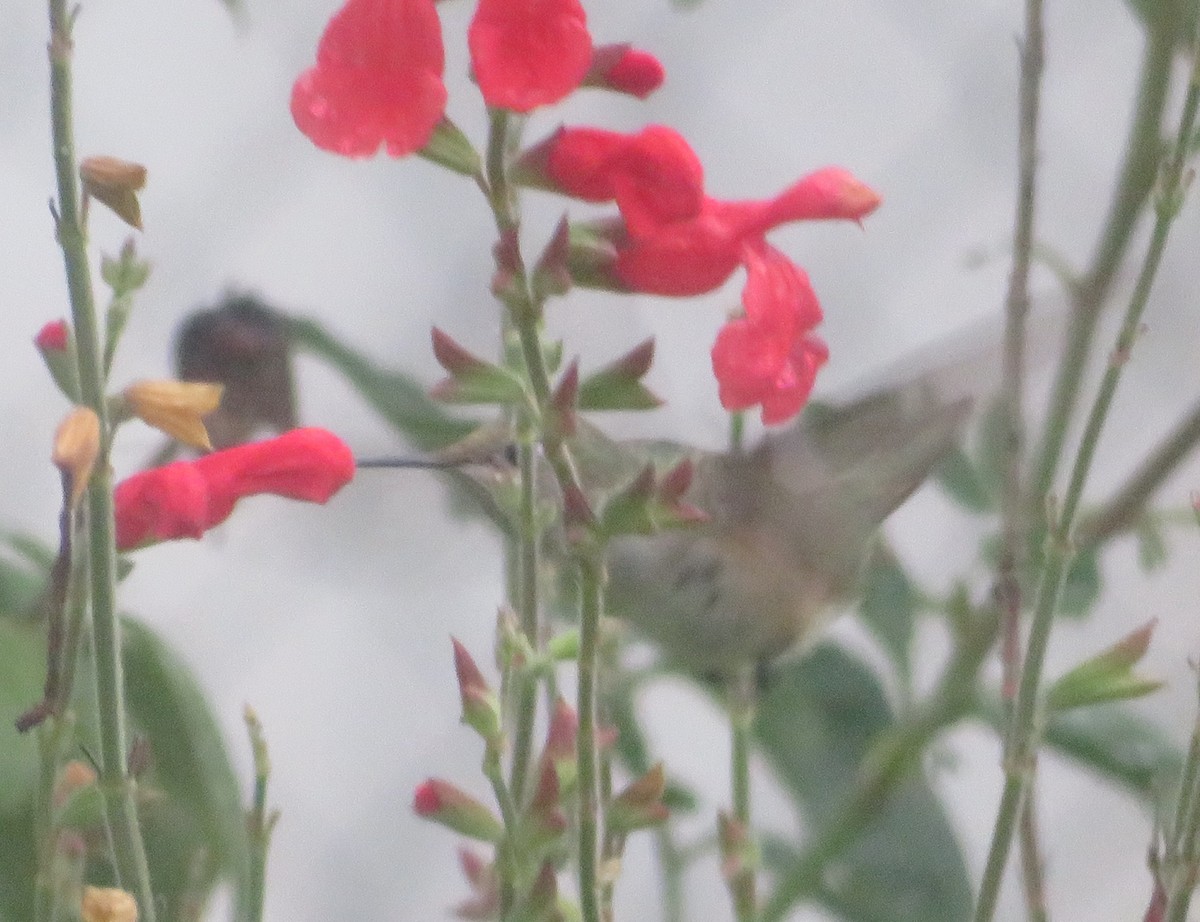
(378, 79)
(529, 53)
(186, 498)
(769, 357)
(161, 504)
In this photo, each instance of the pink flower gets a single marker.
(53, 337)
(770, 356)
(378, 80)
(625, 69)
(674, 239)
(186, 498)
(529, 53)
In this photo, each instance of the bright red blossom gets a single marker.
(770, 356)
(529, 53)
(378, 80)
(186, 498)
(675, 239)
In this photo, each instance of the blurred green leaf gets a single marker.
(963, 483)
(1083, 584)
(396, 397)
(22, 672)
(1106, 676)
(1152, 13)
(816, 723)
(24, 565)
(1151, 546)
(989, 450)
(888, 608)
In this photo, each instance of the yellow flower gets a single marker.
(108, 904)
(175, 407)
(76, 445)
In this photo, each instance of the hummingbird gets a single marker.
(790, 527)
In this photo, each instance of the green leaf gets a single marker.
(398, 398)
(888, 608)
(1107, 676)
(1151, 546)
(989, 450)
(816, 723)
(963, 483)
(1083, 585)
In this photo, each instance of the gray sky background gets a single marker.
(334, 623)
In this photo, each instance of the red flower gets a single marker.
(770, 356)
(529, 53)
(625, 69)
(186, 498)
(378, 79)
(675, 239)
(53, 337)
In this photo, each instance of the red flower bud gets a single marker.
(454, 808)
(53, 337)
(625, 69)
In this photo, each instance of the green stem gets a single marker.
(589, 765)
(1121, 512)
(1023, 732)
(117, 787)
(887, 765)
(742, 706)
(528, 610)
(671, 861)
(1032, 871)
(1136, 179)
(259, 823)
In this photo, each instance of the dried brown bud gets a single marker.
(108, 904)
(115, 182)
(177, 408)
(76, 446)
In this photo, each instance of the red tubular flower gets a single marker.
(378, 79)
(186, 498)
(529, 53)
(675, 240)
(770, 356)
(625, 69)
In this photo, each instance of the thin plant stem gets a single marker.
(1023, 731)
(589, 808)
(260, 822)
(888, 763)
(1033, 877)
(528, 609)
(1181, 836)
(1012, 501)
(1121, 512)
(1134, 183)
(672, 863)
(742, 706)
(117, 787)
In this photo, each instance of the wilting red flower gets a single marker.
(186, 498)
(625, 69)
(53, 337)
(378, 79)
(529, 53)
(770, 356)
(673, 238)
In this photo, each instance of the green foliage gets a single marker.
(889, 608)
(816, 725)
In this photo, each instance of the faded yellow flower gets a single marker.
(115, 182)
(76, 445)
(176, 407)
(108, 904)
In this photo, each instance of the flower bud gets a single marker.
(177, 408)
(480, 705)
(108, 904)
(115, 182)
(639, 805)
(625, 69)
(455, 809)
(57, 346)
(76, 447)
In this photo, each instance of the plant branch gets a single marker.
(117, 787)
